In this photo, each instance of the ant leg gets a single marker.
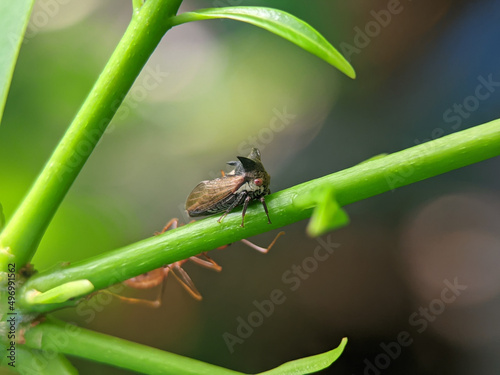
(185, 281)
(207, 262)
(155, 304)
(263, 249)
(147, 280)
(173, 223)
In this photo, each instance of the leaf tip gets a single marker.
(327, 215)
(351, 73)
(347, 69)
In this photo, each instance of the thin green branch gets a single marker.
(287, 206)
(54, 335)
(20, 238)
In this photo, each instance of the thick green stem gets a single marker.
(24, 231)
(287, 206)
(56, 336)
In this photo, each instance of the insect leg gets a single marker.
(156, 303)
(184, 279)
(245, 205)
(207, 262)
(223, 216)
(236, 202)
(262, 199)
(147, 280)
(262, 249)
(173, 223)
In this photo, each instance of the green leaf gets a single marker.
(280, 23)
(308, 365)
(328, 215)
(14, 17)
(61, 293)
(2, 218)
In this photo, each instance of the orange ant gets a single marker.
(157, 276)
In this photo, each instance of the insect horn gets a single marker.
(252, 161)
(254, 154)
(248, 164)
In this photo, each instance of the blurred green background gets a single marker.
(214, 89)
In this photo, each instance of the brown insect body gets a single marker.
(246, 182)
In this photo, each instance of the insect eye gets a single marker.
(258, 181)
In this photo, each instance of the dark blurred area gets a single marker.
(413, 281)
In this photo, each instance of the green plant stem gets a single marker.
(54, 335)
(34, 361)
(21, 236)
(287, 206)
(137, 5)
